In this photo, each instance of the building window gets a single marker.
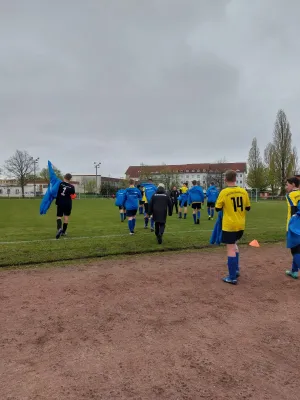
(187, 177)
(241, 175)
(17, 191)
(1, 191)
(198, 176)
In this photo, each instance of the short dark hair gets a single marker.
(194, 182)
(131, 182)
(150, 180)
(68, 177)
(293, 181)
(230, 176)
(212, 183)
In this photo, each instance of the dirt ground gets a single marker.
(152, 327)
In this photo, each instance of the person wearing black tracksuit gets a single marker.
(174, 197)
(160, 204)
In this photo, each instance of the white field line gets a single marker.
(105, 236)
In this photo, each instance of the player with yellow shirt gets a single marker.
(233, 201)
(183, 205)
(293, 198)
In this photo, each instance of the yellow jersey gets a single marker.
(144, 198)
(292, 199)
(184, 189)
(234, 201)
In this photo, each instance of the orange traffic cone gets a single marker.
(254, 243)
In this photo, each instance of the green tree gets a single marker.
(107, 189)
(285, 157)
(256, 172)
(271, 173)
(21, 167)
(44, 174)
(90, 186)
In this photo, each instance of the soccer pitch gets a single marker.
(95, 230)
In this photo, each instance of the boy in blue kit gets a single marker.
(293, 202)
(196, 198)
(234, 202)
(119, 203)
(131, 204)
(212, 195)
(183, 199)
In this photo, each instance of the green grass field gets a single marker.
(95, 230)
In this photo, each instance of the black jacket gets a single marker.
(159, 205)
(174, 195)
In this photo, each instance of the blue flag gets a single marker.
(216, 236)
(52, 190)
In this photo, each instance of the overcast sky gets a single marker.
(131, 81)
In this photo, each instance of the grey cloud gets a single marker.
(135, 81)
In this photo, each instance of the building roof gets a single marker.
(135, 171)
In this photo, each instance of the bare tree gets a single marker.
(20, 166)
(285, 156)
(168, 177)
(144, 173)
(256, 173)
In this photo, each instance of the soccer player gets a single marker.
(119, 203)
(293, 198)
(183, 202)
(149, 190)
(174, 197)
(131, 204)
(159, 205)
(196, 198)
(212, 195)
(234, 202)
(66, 192)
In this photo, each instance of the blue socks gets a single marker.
(184, 216)
(130, 225)
(237, 256)
(208, 212)
(194, 216)
(152, 223)
(212, 212)
(122, 216)
(296, 263)
(180, 214)
(133, 224)
(198, 214)
(146, 221)
(232, 267)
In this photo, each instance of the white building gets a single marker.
(11, 188)
(204, 174)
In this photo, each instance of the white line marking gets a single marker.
(103, 236)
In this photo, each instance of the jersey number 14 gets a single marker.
(237, 203)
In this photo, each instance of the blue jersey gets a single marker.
(120, 197)
(149, 189)
(131, 198)
(195, 195)
(212, 194)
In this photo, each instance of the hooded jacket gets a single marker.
(196, 195)
(212, 194)
(131, 198)
(160, 204)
